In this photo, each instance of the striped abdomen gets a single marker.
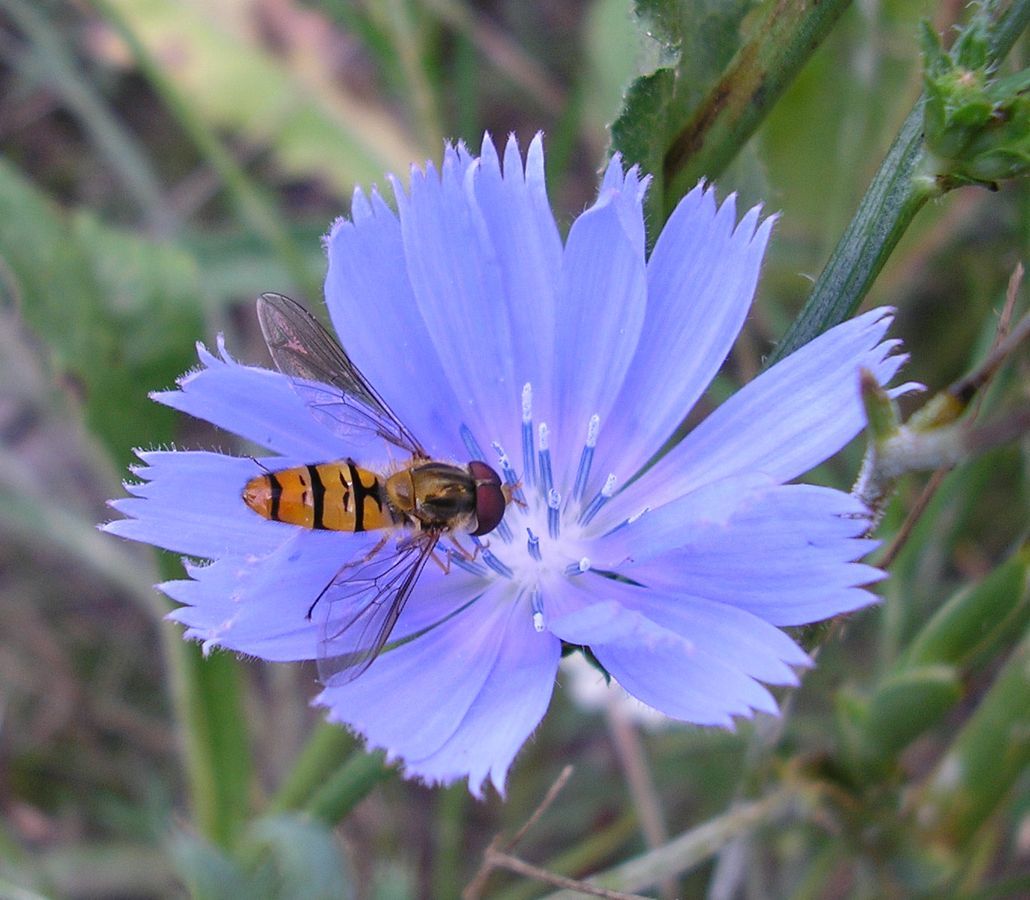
(339, 496)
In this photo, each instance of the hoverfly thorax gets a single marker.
(442, 497)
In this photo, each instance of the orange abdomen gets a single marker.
(339, 496)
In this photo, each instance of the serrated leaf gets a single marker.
(698, 39)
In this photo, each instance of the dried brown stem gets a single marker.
(474, 889)
(514, 864)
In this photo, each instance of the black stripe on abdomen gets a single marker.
(360, 493)
(276, 492)
(317, 498)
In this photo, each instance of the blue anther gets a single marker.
(463, 562)
(509, 476)
(528, 456)
(600, 499)
(546, 480)
(496, 564)
(536, 603)
(553, 513)
(578, 568)
(586, 457)
(471, 444)
(533, 545)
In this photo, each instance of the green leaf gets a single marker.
(988, 756)
(278, 858)
(689, 44)
(303, 856)
(118, 313)
(288, 102)
(975, 618)
(694, 121)
(907, 704)
(208, 872)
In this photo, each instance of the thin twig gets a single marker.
(1006, 341)
(514, 864)
(914, 514)
(542, 807)
(475, 887)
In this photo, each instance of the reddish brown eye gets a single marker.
(490, 499)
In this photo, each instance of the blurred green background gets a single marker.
(164, 162)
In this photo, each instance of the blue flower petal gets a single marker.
(460, 290)
(701, 279)
(602, 297)
(388, 704)
(520, 238)
(259, 604)
(510, 705)
(784, 554)
(694, 680)
(789, 419)
(191, 502)
(370, 300)
(256, 404)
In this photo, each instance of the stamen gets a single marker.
(533, 545)
(546, 481)
(553, 514)
(498, 565)
(536, 602)
(600, 499)
(528, 456)
(471, 444)
(629, 520)
(586, 457)
(510, 478)
(463, 562)
(578, 568)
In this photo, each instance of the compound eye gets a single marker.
(490, 499)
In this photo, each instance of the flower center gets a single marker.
(553, 523)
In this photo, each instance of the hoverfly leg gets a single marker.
(511, 494)
(467, 555)
(444, 563)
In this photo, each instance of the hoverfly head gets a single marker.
(492, 497)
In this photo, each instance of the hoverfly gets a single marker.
(425, 498)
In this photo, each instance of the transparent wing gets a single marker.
(304, 350)
(362, 604)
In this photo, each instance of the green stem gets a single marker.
(779, 45)
(207, 695)
(253, 205)
(322, 755)
(348, 786)
(898, 191)
(688, 849)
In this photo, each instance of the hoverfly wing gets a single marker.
(362, 605)
(302, 349)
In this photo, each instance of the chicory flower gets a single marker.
(567, 365)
